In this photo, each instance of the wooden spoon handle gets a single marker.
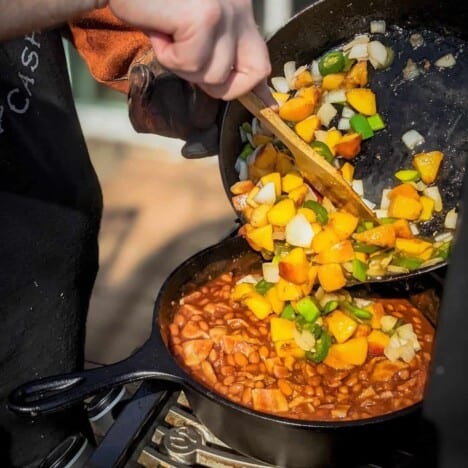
(321, 174)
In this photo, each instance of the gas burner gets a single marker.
(181, 440)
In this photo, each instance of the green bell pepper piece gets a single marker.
(443, 251)
(360, 125)
(356, 311)
(364, 248)
(333, 62)
(247, 127)
(263, 286)
(330, 306)
(407, 175)
(322, 346)
(323, 150)
(288, 312)
(247, 150)
(308, 309)
(359, 270)
(410, 263)
(387, 220)
(320, 212)
(376, 122)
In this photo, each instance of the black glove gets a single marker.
(160, 102)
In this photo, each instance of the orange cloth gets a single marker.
(109, 47)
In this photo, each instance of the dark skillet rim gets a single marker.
(188, 381)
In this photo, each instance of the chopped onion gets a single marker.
(381, 213)
(314, 68)
(358, 187)
(447, 61)
(414, 229)
(299, 232)
(280, 84)
(243, 134)
(378, 27)
(434, 193)
(398, 270)
(377, 54)
(256, 128)
(253, 156)
(358, 40)
(451, 219)
(410, 71)
(385, 201)
(370, 204)
(444, 237)
(358, 52)
(304, 339)
(387, 322)
(328, 205)
(289, 71)
(267, 194)
(320, 135)
(431, 262)
(326, 114)
(242, 168)
(363, 303)
(335, 96)
(301, 69)
(416, 40)
(420, 186)
(407, 352)
(343, 124)
(270, 272)
(412, 138)
(248, 279)
(347, 112)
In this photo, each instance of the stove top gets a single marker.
(156, 428)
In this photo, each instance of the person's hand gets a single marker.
(212, 43)
(163, 103)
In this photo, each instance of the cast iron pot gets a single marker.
(280, 441)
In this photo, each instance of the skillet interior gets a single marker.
(435, 103)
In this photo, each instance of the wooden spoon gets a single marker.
(320, 173)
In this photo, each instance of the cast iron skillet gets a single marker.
(435, 103)
(284, 442)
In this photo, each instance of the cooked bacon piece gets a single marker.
(235, 344)
(269, 400)
(385, 370)
(192, 331)
(196, 351)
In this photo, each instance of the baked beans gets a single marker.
(224, 346)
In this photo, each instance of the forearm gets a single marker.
(22, 16)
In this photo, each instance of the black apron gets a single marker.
(50, 209)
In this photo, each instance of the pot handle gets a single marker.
(52, 394)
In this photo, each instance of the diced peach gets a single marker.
(284, 163)
(353, 351)
(303, 79)
(334, 362)
(343, 223)
(362, 330)
(291, 181)
(266, 158)
(307, 127)
(324, 240)
(331, 277)
(299, 194)
(262, 237)
(332, 138)
(340, 325)
(259, 305)
(349, 145)
(308, 213)
(282, 329)
(296, 109)
(274, 177)
(294, 267)
(280, 98)
(258, 216)
(333, 81)
(288, 291)
(402, 229)
(340, 252)
(311, 94)
(242, 290)
(413, 247)
(287, 348)
(404, 207)
(381, 236)
(276, 303)
(308, 285)
(377, 341)
(405, 190)
(427, 208)
(281, 213)
(357, 76)
(243, 186)
(363, 100)
(428, 165)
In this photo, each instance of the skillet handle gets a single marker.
(52, 394)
